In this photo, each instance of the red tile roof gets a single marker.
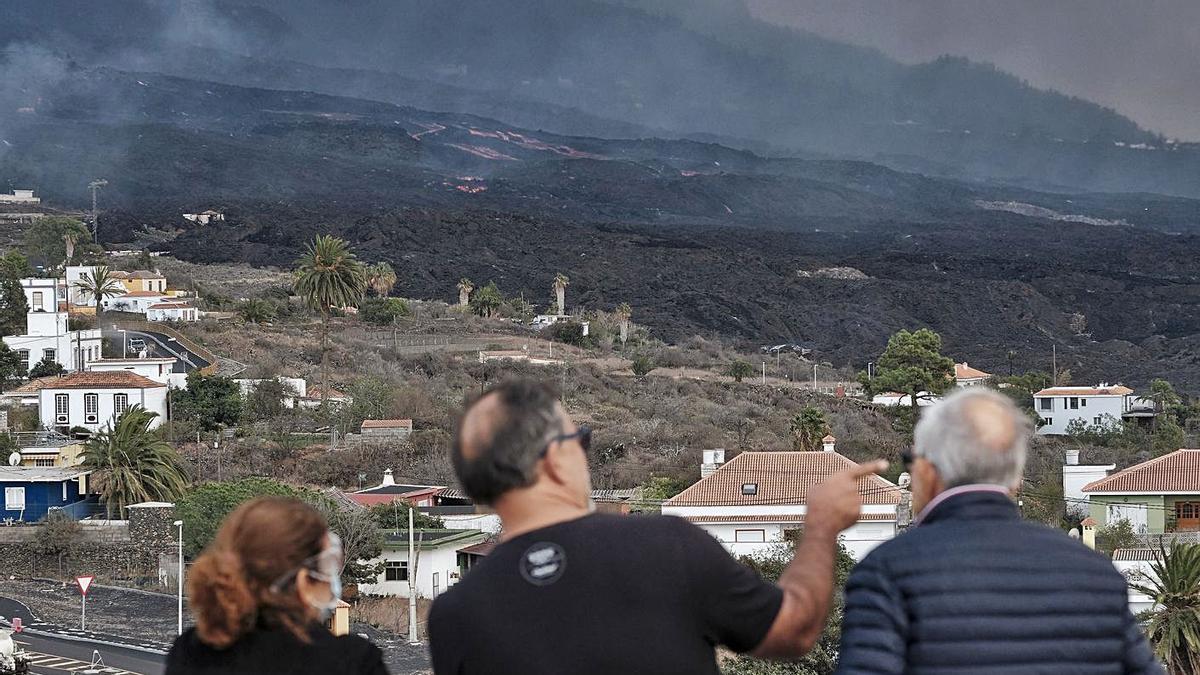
(964, 372)
(144, 294)
(170, 305)
(102, 379)
(780, 518)
(482, 548)
(33, 386)
(781, 478)
(315, 392)
(1178, 471)
(387, 424)
(1112, 390)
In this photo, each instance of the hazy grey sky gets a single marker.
(1141, 57)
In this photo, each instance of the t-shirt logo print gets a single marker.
(543, 564)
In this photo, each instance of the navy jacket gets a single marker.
(976, 589)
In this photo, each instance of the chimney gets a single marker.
(713, 459)
(1089, 532)
(827, 443)
(387, 478)
(1073, 457)
(905, 480)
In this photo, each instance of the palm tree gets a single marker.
(464, 291)
(560, 291)
(487, 300)
(131, 464)
(256, 310)
(328, 275)
(624, 313)
(99, 284)
(1174, 627)
(381, 278)
(808, 428)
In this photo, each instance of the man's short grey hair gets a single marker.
(975, 435)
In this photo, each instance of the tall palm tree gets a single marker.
(381, 278)
(624, 313)
(69, 240)
(561, 281)
(329, 275)
(99, 284)
(1174, 628)
(808, 428)
(464, 291)
(131, 464)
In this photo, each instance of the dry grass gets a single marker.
(389, 613)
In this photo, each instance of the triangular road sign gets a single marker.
(84, 583)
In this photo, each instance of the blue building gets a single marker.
(31, 491)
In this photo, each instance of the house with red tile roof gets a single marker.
(1101, 405)
(95, 399)
(758, 499)
(966, 376)
(1156, 497)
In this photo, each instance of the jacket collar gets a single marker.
(969, 502)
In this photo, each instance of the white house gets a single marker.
(46, 329)
(205, 217)
(1103, 404)
(891, 399)
(966, 376)
(93, 400)
(758, 499)
(296, 387)
(1076, 475)
(20, 197)
(439, 563)
(134, 301)
(1135, 565)
(158, 369)
(172, 311)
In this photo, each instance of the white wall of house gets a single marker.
(157, 369)
(437, 569)
(1077, 476)
(172, 314)
(296, 384)
(60, 347)
(485, 522)
(1057, 412)
(751, 538)
(74, 406)
(1138, 572)
(138, 304)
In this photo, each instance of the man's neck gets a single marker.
(527, 510)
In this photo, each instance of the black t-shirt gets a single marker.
(267, 651)
(601, 594)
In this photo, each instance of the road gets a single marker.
(161, 344)
(54, 656)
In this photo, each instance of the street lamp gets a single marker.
(124, 341)
(179, 524)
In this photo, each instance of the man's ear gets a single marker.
(553, 465)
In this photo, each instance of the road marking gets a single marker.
(69, 665)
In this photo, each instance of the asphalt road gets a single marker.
(53, 656)
(161, 344)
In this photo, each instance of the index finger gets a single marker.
(868, 468)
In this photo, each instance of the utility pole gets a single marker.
(412, 586)
(764, 381)
(95, 186)
(814, 378)
(1054, 365)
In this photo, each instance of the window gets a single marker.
(395, 570)
(1096, 420)
(50, 354)
(1046, 403)
(37, 302)
(750, 536)
(41, 461)
(24, 354)
(91, 408)
(62, 409)
(14, 499)
(64, 486)
(120, 404)
(1074, 403)
(749, 488)
(1049, 421)
(1083, 403)
(435, 584)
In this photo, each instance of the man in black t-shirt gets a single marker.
(570, 591)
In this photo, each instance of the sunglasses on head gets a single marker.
(583, 434)
(907, 458)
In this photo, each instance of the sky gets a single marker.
(1141, 57)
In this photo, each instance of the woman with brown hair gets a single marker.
(260, 594)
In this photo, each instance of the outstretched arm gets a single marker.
(807, 582)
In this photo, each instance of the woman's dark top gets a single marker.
(275, 650)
